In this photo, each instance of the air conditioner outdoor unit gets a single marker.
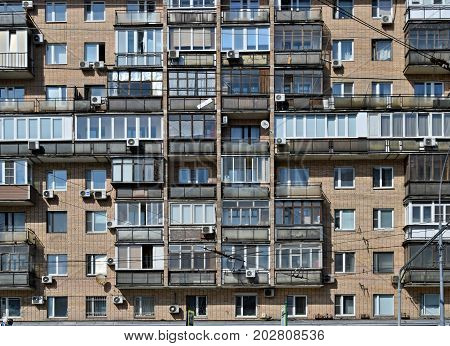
(328, 279)
(394, 279)
(174, 54)
(429, 142)
(84, 65)
(269, 292)
(48, 194)
(387, 19)
(250, 273)
(174, 309)
(280, 97)
(96, 100)
(100, 194)
(118, 299)
(38, 38)
(337, 64)
(224, 120)
(85, 193)
(132, 142)
(207, 230)
(99, 64)
(33, 145)
(27, 4)
(110, 261)
(111, 224)
(233, 54)
(37, 300)
(47, 279)
(281, 140)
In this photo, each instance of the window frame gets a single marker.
(4, 301)
(241, 296)
(376, 48)
(376, 264)
(51, 311)
(337, 12)
(51, 222)
(89, 11)
(377, 217)
(294, 305)
(52, 11)
(345, 254)
(57, 261)
(149, 205)
(53, 185)
(340, 212)
(90, 182)
(138, 306)
(92, 221)
(423, 306)
(196, 312)
(298, 250)
(340, 304)
(376, 305)
(339, 49)
(26, 172)
(234, 250)
(91, 264)
(50, 54)
(376, 9)
(245, 38)
(256, 176)
(91, 305)
(380, 181)
(338, 182)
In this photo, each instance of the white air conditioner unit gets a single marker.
(27, 4)
(429, 142)
(250, 273)
(96, 100)
(280, 97)
(269, 292)
(328, 279)
(47, 279)
(394, 279)
(33, 145)
(174, 54)
(174, 309)
(85, 193)
(281, 140)
(264, 124)
(99, 65)
(233, 54)
(337, 64)
(100, 194)
(111, 224)
(224, 120)
(110, 261)
(48, 194)
(387, 19)
(118, 300)
(84, 65)
(208, 230)
(37, 300)
(132, 142)
(38, 38)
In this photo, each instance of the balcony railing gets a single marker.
(194, 59)
(187, 278)
(18, 235)
(26, 106)
(298, 15)
(12, 60)
(188, 17)
(244, 103)
(246, 15)
(420, 62)
(16, 280)
(17, 195)
(192, 191)
(247, 59)
(137, 18)
(298, 277)
(423, 232)
(426, 189)
(192, 104)
(245, 147)
(245, 191)
(313, 232)
(244, 234)
(240, 279)
(189, 234)
(299, 58)
(383, 102)
(139, 191)
(139, 235)
(139, 59)
(135, 104)
(13, 19)
(437, 12)
(299, 190)
(192, 146)
(425, 277)
(64, 105)
(138, 279)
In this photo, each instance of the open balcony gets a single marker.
(191, 278)
(427, 13)
(13, 19)
(16, 65)
(244, 234)
(52, 106)
(244, 191)
(306, 232)
(299, 190)
(139, 235)
(194, 59)
(306, 58)
(420, 62)
(286, 15)
(231, 16)
(150, 59)
(18, 195)
(191, 17)
(18, 106)
(192, 147)
(18, 235)
(207, 191)
(298, 277)
(190, 233)
(255, 104)
(139, 279)
(137, 18)
(230, 278)
(192, 104)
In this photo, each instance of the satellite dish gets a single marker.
(101, 279)
(265, 124)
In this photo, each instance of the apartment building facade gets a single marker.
(232, 158)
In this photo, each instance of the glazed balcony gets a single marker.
(139, 235)
(427, 13)
(231, 190)
(286, 14)
(18, 195)
(16, 66)
(423, 232)
(17, 269)
(13, 19)
(16, 280)
(190, 233)
(137, 18)
(425, 277)
(139, 279)
(260, 15)
(230, 278)
(192, 278)
(299, 190)
(426, 189)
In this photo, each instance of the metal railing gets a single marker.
(193, 278)
(285, 14)
(13, 19)
(16, 279)
(299, 58)
(436, 12)
(298, 276)
(244, 103)
(188, 17)
(423, 232)
(192, 103)
(18, 235)
(138, 234)
(133, 279)
(15, 60)
(247, 59)
(245, 234)
(139, 59)
(137, 18)
(194, 59)
(245, 15)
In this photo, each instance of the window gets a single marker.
(344, 305)
(343, 50)
(192, 214)
(293, 176)
(383, 305)
(244, 134)
(383, 262)
(191, 3)
(95, 306)
(198, 175)
(197, 304)
(138, 257)
(245, 38)
(344, 262)
(144, 306)
(382, 88)
(56, 307)
(344, 178)
(381, 8)
(245, 82)
(31, 128)
(191, 257)
(57, 265)
(297, 306)
(289, 213)
(291, 5)
(11, 7)
(56, 222)
(381, 50)
(96, 221)
(383, 219)
(139, 47)
(300, 82)
(141, 6)
(192, 83)
(135, 83)
(57, 180)
(95, 265)
(429, 38)
(15, 259)
(294, 38)
(139, 214)
(10, 307)
(56, 12)
(56, 54)
(344, 219)
(135, 170)
(186, 39)
(245, 213)
(94, 11)
(192, 126)
(12, 93)
(429, 89)
(296, 256)
(429, 305)
(14, 172)
(240, 169)
(94, 52)
(56, 92)
(12, 222)
(96, 179)
(242, 257)
(245, 305)
(425, 213)
(344, 9)
(383, 177)
(342, 89)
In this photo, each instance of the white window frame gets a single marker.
(204, 206)
(5, 301)
(256, 175)
(51, 312)
(91, 300)
(53, 186)
(93, 214)
(338, 183)
(138, 306)
(337, 11)
(342, 89)
(423, 306)
(432, 86)
(91, 185)
(197, 304)
(378, 15)
(299, 251)
(241, 297)
(191, 5)
(50, 5)
(344, 261)
(50, 54)
(376, 267)
(157, 260)
(258, 254)
(177, 31)
(97, 265)
(16, 162)
(433, 205)
(340, 212)
(378, 211)
(341, 304)
(97, 53)
(57, 260)
(245, 39)
(381, 168)
(377, 88)
(376, 305)
(89, 15)
(60, 89)
(193, 248)
(294, 306)
(148, 210)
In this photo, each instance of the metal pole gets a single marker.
(399, 294)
